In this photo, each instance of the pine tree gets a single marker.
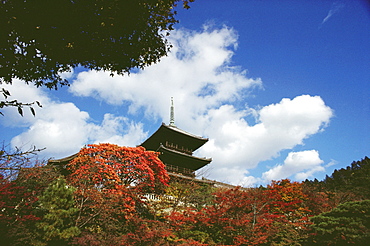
(349, 223)
(354, 179)
(58, 206)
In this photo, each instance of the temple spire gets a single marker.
(172, 114)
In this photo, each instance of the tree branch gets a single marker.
(15, 103)
(12, 160)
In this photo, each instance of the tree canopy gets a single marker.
(40, 39)
(112, 195)
(95, 199)
(349, 223)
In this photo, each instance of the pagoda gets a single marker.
(176, 148)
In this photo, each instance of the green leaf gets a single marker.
(32, 111)
(6, 93)
(20, 111)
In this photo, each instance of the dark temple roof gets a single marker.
(172, 134)
(177, 158)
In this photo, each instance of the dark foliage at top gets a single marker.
(39, 38)
(354, 178)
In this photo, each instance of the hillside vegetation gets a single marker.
(112, 195)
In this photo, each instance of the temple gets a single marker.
(176, 148)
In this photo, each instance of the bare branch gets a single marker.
(12, 160)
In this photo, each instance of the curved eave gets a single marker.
(173, 135)
(63, 161)
(173, 157)
(174, 128)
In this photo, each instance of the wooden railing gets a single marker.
(178, 148)
(182, 170)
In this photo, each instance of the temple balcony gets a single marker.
(180, 170)
(178, 148)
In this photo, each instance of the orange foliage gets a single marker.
(110, 179)
(289, 200)
(111, 165)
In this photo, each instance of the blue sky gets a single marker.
(281, 89)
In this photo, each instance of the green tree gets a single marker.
(349, 223)
(343, 185)
(59, 213)
(354, 178)
(40, 39)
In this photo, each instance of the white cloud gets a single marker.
(199, 74)
(234, 143)
(331, 163)
(118, 130)
(301, 164)
(335, 8)
(63, 128)
(26, 94)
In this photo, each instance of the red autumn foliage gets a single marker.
(289, 201)
(110, 181)
(247, 216)
(110, 166)
(17, 212)
(15, 203)
(146, 232)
